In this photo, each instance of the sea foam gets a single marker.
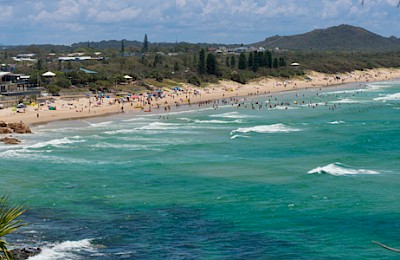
(55, 143)
(276, 128)
(336, 122)
(338, 169)
(65, 250)
(390, 97)
(234, 115)
(369, 88)
(217, 122)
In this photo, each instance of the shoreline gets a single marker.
(89, 107)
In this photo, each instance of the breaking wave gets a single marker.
(348, 101)
(337, 122)
(55, 143)
(390, 97)
(338, 169)
(369, 88)
(276, 128)
(235, 115)
(65, 250)
(101, 124)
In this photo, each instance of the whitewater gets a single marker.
(317, 178)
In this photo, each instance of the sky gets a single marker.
(196, 21)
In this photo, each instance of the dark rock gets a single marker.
(10, 140)
(5, 130)
(3, 124)
(25, 253)
(20, 128)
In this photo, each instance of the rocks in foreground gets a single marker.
(25, 253)
(10, 140)
(19, 128)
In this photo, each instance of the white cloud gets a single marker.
(114, 16)
(337, 8)
(6, 13)
(181, 3)
(221, 19)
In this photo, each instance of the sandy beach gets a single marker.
(74, 108)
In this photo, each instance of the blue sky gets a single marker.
(212, 21)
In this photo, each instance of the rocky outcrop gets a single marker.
(20, 128)
(10, 140)
(5, 130)
(25, 253)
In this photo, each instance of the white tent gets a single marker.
(127, 77)
(295, 64)
(49, 74)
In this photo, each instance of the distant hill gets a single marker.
(342, 37)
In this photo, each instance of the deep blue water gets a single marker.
(316, 179)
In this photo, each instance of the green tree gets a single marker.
(282, 62)
(8, 222)
(39, 64)
(122, 47)
(261, 59)
(157, 60)
(242, 61)
(202, 62)
(268, 58)
(62, 82)
(233, 61)
(251, 60)
(211, 64)
(176, 66)
(275, 63)
(255, 64)
(227, 61)
(145, 44)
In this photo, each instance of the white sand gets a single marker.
(89, 107)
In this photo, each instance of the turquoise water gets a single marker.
(314, 180)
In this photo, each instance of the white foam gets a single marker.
(185, 119)
(369, 88)
(348, 101)
(390, 97)
(56, 142)
(235, 115)
(337, 122)
(64, 250)
(135, 119)
(276, 128)
(106, 123)
(160, 126)
(217, 122)
(121, 131)
(283, 108)
(338, 169)
(239, 136)
(133, 147)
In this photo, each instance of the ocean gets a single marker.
(308, 174)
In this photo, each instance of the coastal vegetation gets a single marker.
(8, 223)
(200, 64)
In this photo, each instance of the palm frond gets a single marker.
(8, 222)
